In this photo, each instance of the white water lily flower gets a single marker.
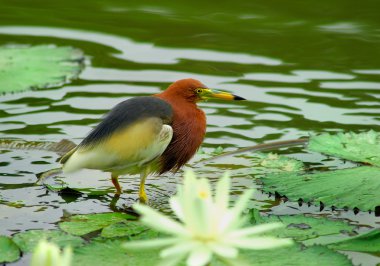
(207, 227)
(49, 254)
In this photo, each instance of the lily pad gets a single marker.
(111, 252)
(29, 239)
(362, 147)
(368, 242)
(83, 224)
(35, 67)
(355, 187)
(124, 228)
(295, 255)
(9, 251)
(301, 227)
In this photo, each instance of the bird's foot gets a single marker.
(114, 201)
(116, 184)
(143, 197)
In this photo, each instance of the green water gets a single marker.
(305, 67)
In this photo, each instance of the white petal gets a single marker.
(260, 242)
(227, 222)
(150, 244)
(189, 183)
(242, 202)
(67, 256)
(199, 257)
(204, 188)
(178, 249)
(45, 254)
(232, 217)
(170, 261)
(257, 229)
(176, 207)
(224, 251)
(222, 191)
(201, 217)
(159, 222)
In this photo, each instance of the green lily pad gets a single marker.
(35, 67)
(362, 147)
(83, 224)
(301, 227)
(296, 256)
(368, 242)
(110, 252)
(29, 239)
(355, 187)
(9, 251)
(124, 228)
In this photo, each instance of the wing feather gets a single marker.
(134, 132)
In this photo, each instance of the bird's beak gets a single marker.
(215, 94)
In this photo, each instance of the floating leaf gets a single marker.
(9, 251)
(111, 252)
(295, 255)
(368, 242)
(34, 67)
(83, 224)
(355, 187)
(125, 228)
(362, 147)
(29, 239)
(301, 227)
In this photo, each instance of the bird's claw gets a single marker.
(143, 198)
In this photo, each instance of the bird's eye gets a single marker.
(198, 91)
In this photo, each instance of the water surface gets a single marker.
(305, 67)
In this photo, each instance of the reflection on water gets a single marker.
(293, 89)
(141, 52)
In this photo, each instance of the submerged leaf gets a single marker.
(9, 251)
(60, 147)
(28, 240)
(83, 224)
(362, 147)
(34, 67)
(356, 187)
(264, 163)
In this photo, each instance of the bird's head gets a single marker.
(193, 90)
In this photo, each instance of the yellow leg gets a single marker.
(115, 182)
(142, 194)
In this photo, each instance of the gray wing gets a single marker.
(127, 113)
(132, 133)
